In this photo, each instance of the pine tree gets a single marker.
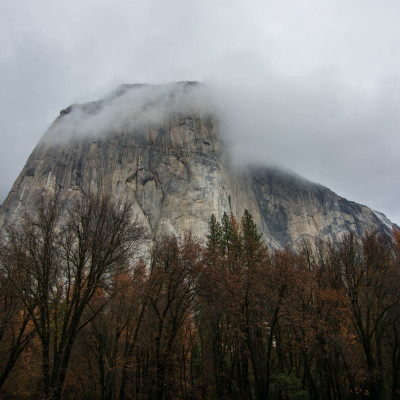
(215, 233)
(251, 239)
(249, 228)
(226, 228)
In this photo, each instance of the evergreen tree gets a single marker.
(226, 228)
(215, 233)
(249, 228)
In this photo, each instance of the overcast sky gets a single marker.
(317, 81)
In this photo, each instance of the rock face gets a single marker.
(160, 147)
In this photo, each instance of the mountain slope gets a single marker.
(160, 146)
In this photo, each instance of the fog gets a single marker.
(130, 107)
(310, 85)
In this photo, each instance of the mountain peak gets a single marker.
(159, 146)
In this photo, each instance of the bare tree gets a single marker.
(173, 276)
(16, 329)
(65, 252)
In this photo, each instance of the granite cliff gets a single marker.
(160, 146)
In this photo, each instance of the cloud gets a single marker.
(129, 108)
(316, 81)
(321, 128)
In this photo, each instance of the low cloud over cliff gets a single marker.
(316, 125)
(132, 108)
(313, 85)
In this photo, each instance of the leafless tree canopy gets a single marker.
(56, 258)
(224, 319)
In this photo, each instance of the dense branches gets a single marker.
(61, 255)
(227, 320)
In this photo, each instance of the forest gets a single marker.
(222, 317)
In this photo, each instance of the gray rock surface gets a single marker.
(160, 147)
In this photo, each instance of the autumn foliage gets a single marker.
(226, 318)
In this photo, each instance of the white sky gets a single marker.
(317, 81)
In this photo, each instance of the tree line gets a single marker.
(223, 318)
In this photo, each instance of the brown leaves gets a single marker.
(230, 320)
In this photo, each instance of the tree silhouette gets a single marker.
(65, 252)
